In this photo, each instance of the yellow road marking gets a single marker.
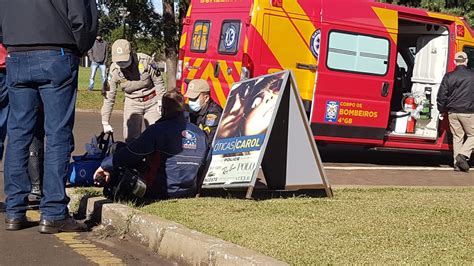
(82, 246)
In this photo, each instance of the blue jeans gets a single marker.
(3, 111)
(94, 67)
(31, 77)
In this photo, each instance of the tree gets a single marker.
(171, 35)
(172, 26)
(142, 26)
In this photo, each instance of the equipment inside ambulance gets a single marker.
(423, 50)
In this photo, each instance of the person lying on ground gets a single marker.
(166, 157)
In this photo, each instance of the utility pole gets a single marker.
(124, 14)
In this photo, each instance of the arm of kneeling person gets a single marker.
(130, 86)
(211, 122)
(136, 152)
(158, 83)
(101, 176)
(109, 98)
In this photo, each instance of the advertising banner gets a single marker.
(244, 129)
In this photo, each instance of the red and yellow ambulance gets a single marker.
(368, 72)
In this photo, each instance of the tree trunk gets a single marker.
(171, 42)
(171, 65)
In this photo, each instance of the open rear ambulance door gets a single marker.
(355, 75)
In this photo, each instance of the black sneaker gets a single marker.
(462, 162)
(66, 225)
(15, 223)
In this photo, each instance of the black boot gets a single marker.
(462, 162)
(35, 165)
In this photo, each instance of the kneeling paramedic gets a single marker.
(162, 162)
(139, 77)
(205, 113)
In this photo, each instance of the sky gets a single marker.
(158, 6)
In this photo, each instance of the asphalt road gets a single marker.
(344, 166)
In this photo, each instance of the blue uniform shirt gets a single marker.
(174, 149)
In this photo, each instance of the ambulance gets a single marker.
(368, 72)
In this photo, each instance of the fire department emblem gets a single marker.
(332, 111)
(189, 140)
(230, 36)
(316, 43)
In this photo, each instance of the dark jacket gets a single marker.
(68, 24)
(98, 52)
(207, 119)
(174, 149)
(456, 92)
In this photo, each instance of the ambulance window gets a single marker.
(470, 56)
(229, 40)
(354, 52)
(200, 36)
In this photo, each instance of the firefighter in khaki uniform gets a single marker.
(138, 77)
(205, 113)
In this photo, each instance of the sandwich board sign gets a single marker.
(264, 125)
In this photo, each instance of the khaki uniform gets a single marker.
(462, 128)
(144, 89)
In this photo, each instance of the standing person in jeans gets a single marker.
(42, 65)
(36, 151)
(456, 96)
(98, 56)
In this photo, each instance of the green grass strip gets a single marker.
(363, 226)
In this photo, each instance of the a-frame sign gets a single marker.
(264, 124)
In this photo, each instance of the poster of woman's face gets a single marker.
(250, 107)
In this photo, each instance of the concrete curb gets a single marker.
(172, 240)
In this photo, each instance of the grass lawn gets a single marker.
(93, 100)
(363, 226)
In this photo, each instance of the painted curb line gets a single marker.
(172, 240)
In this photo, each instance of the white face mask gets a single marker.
(195, 106)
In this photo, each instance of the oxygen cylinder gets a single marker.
(409, 106)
